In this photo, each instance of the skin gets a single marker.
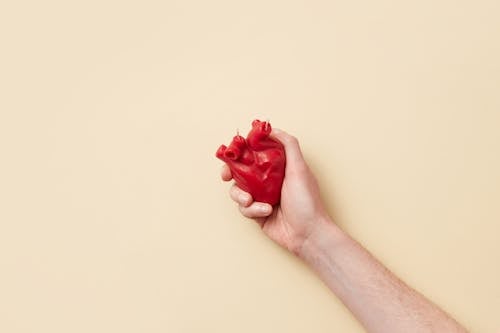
(300, 224)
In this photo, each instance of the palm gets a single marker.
(289, 222)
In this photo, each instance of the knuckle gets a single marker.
(225, 172)
(292, 140)
(233, 193)
(243, 199)
(244, 211)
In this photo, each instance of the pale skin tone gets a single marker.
(377, 298)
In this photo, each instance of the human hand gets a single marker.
(300, 211)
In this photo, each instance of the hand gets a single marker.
(301, 209)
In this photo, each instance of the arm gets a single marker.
(376, 297)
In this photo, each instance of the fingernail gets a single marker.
(264, 209)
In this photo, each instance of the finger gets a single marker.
(292, 148)
(257, 210)
(225, 173)
(241, 197)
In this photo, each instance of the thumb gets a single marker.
(293, 153)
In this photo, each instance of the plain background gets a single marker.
(112, 214)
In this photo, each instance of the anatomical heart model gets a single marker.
(257, 163)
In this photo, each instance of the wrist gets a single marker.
(325, 235)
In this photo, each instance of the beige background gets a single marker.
(112, 214)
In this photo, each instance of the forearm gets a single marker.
(376, 297)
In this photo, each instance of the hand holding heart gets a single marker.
(300, 211)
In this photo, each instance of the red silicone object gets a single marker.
(257, 163)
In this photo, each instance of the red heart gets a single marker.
(257, 163)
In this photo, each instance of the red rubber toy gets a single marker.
(257, 163)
